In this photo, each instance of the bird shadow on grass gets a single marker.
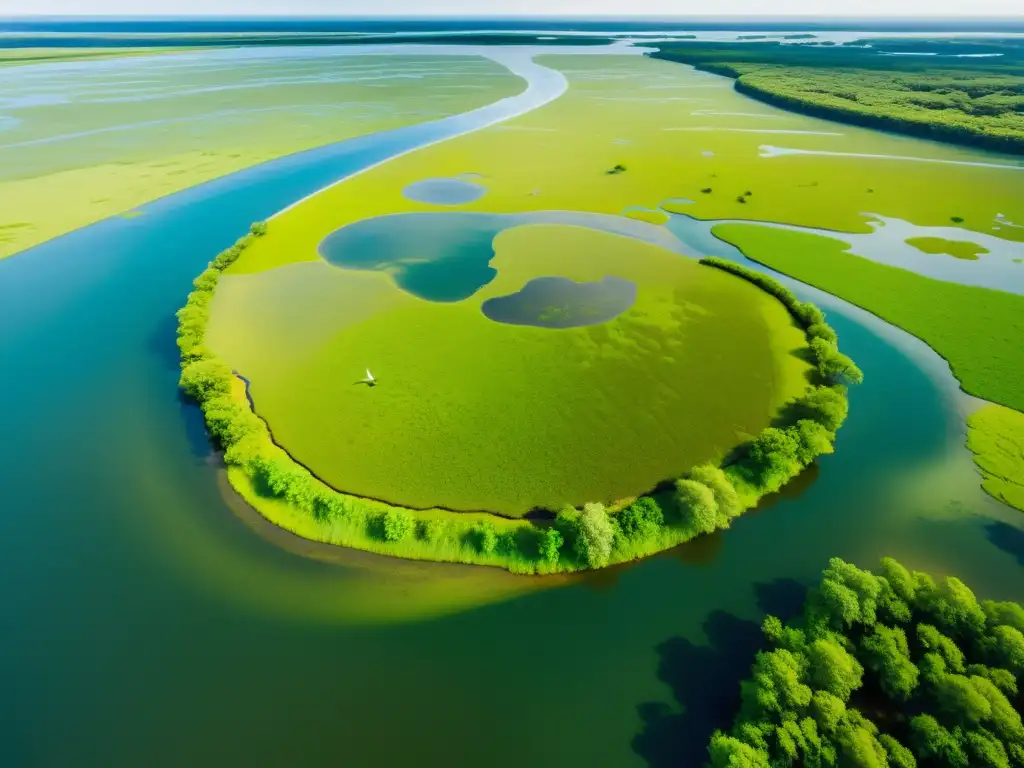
(705, 680)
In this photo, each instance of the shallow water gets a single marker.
(148, 623)
(444, 191)
(997, 267)
(446, 256)
(558, 302)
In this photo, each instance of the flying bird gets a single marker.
(369, 380)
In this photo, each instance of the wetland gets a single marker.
(146, 547)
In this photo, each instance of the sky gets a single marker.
(929, 8)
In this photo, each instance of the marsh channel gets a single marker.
(150, 619)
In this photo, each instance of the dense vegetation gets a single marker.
(706, 499)
(888, 669)
(969, 101)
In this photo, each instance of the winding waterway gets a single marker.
(151, 620)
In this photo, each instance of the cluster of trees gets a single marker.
(706, 499)
(979, 102)
(887, 670)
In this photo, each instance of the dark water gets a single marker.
(145, 624)
(446, 256)
(558, 302)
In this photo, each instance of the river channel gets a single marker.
(150, 619)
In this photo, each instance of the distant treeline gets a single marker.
(707, 498)
(980, 105)
(883, 670)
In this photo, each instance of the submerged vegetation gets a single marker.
(968, 101)
(705, 499)
(888, 669)
(995, 435)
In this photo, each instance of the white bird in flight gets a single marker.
(369, 380)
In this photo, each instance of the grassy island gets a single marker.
(702, 499)
(883, 670)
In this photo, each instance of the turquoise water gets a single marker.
(150, 621)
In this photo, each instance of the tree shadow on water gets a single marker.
(705, 683)
(705, 680)
(1007, 538)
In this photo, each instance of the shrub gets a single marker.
(486, 538)
(203, 379)
(550, 545)
(641, 520)
(833, 365)
(822, 331)
(397, 524)
(430, 530)
(258, 229)
(825, 405)
(696, 506)
(594, 535)
(728, 501)
(813, 441)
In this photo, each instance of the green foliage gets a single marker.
(258, 229)
(726, 497)
(826, 405)
(397, 524)
(642, 519)
(204, 379)
(967, 101)
(550, 545)
(594, 535)
(898, 755)
(486, 538)
(887, 654)
(696, 506)
(925, 677)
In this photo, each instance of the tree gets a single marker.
(813, 441)
(932, 640)
(899, 756)
(1005, 646)
(642, 519)
(550, 545)
(205, 378)
(776, 686)
(397, 524)
(594, 535)
(932, 741)
(886, 653)
(831, 668)
(696, 505)
(728, 752)
(847, 595)
(486, 538)
(726, 497)
(825, 405)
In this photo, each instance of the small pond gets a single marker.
(444, 191)
(558, 302)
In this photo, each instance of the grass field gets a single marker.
(84, 140)
(474, 414)
(996, 436)
(977, 330)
